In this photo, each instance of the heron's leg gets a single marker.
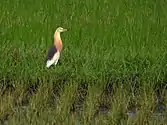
(56, 58)
(56, 61)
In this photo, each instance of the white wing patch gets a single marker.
(54, 60)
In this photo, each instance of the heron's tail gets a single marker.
(49, 63)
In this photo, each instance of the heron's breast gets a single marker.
(59, 45)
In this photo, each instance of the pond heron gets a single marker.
(54, 52)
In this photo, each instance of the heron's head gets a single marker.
(60, 29)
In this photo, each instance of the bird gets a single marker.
(55, 51)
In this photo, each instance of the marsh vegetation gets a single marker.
(113, 67)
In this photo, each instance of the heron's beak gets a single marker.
(64, 30)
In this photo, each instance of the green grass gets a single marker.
(114, 54)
